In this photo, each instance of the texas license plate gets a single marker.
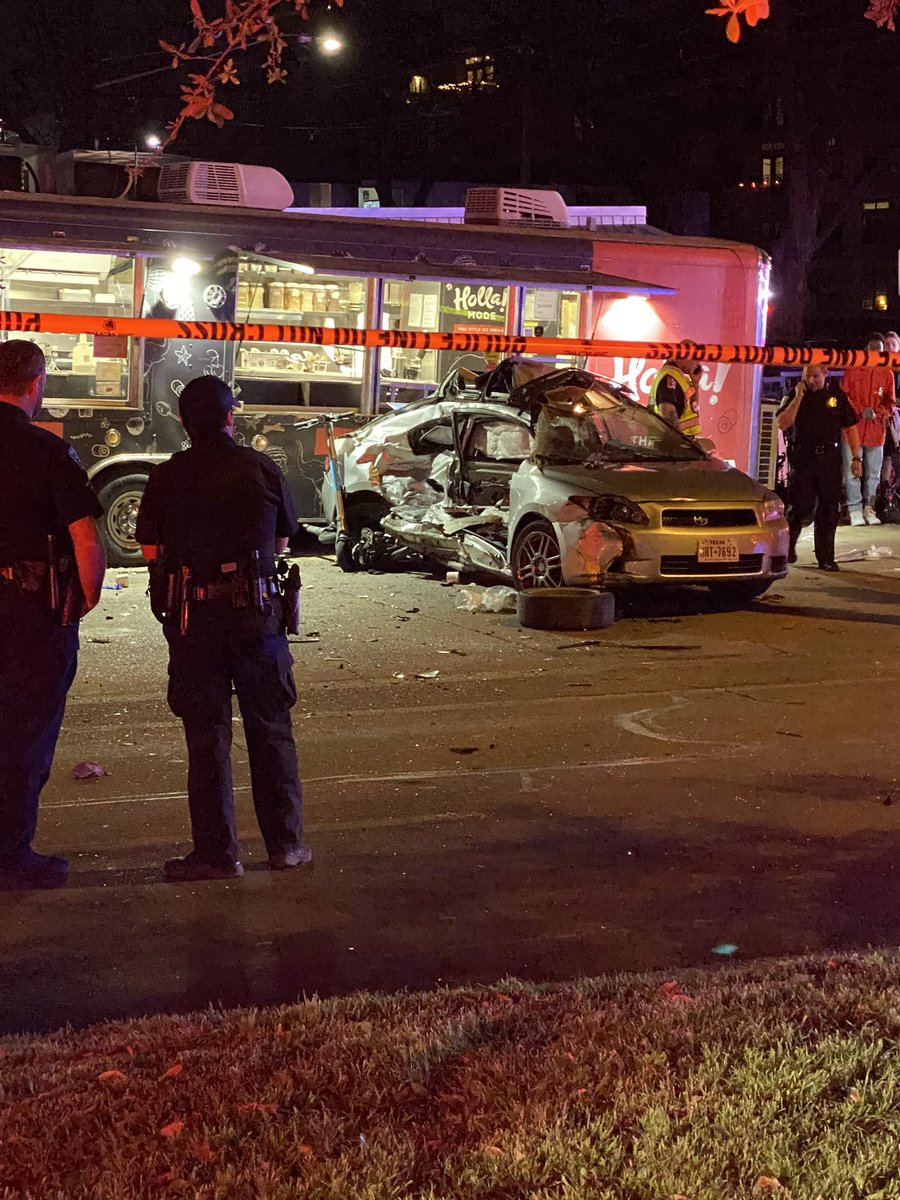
(717, 550)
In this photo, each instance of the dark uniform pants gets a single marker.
(38, 657)
(220, 651)
(815, 486)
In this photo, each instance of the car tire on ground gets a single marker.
(121, 498)
(738, 592)
(359, 517)
(566, 608)
(536, 560)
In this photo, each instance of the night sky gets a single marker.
(628, 95)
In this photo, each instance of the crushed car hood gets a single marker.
(709, 480)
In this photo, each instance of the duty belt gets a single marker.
(225, 591)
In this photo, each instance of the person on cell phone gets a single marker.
(817, 414)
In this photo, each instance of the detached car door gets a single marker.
(490, 449)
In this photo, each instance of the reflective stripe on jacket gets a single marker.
(689, 419)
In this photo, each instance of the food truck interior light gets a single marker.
(185, 266)
(630, 319)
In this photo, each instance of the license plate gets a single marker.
(715, 550)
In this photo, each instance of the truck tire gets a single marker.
(566, 608)
(121, 498)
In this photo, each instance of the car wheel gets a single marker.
(536, 561)
(566, 608)
(739, 592)
(121, 499)
(359, 517)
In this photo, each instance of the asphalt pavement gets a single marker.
(545, 805)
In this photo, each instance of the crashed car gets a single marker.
(569, 482)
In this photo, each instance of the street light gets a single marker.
(330, 43)
(153, 141)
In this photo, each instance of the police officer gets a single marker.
(210, 524)
(673, 396)
(817, 412)
(51, 574)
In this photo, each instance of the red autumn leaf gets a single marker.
(492, 1150)
(203, 1152)
(219, 114)
(306, 1151)
(175, 1069)
(112, 1076)
(255, 1106)
(172, 1129)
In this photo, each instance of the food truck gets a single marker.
(214, 251)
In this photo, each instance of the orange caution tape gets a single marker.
(482, 343)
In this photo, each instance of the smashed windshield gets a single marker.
(595, 427)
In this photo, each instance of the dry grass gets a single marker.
(776, 1081)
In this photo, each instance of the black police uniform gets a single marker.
(815, 480)
(210, 507)
(43, 490)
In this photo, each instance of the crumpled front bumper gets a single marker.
(594, 553)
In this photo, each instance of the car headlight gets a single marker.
(773, 507)
(617, 510)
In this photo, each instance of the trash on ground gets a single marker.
(452, 578)
(100, 641)
(122, 581)
(861, 554)
(579, 645)
(88, 770)
(499, 598)
(427, 674)
(112, 587)
(463, 749)
(725, 949)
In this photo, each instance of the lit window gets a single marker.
(766, 171)
(418, 85)
(779, 168)
(881, 301)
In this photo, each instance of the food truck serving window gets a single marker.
(299, 375)
(433, 307)
(79, 368)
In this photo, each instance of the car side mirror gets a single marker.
(704, 444)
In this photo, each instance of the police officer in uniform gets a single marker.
(673, 396)
(211, 522)
(51, 574)
(816, 413)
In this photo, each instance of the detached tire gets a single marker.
(121, 499)
(566, 608)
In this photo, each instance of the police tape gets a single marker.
(495, 344)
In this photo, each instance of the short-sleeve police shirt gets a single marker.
(215, 504)
(43, 489)
(821, 418)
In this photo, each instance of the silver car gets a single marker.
(572, 483)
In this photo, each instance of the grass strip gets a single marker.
(779, 1079)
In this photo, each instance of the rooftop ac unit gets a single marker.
(224, 183)
(515, 206)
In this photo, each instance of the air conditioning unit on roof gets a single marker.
(229, 184)
(516, 206)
